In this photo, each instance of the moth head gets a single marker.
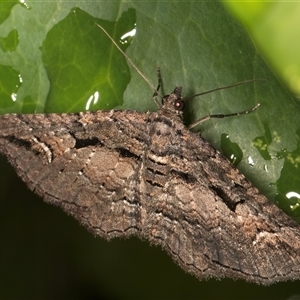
(174, 101)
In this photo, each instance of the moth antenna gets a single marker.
(132, 63)
(224, 87)
(224, 115)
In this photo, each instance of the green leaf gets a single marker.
(67, 59)
(274, 26)
(9, 85)
(5, 9)
(10, 42)
(198, 45)
(78, 83)
(231, 150)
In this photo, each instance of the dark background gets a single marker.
(45, 254)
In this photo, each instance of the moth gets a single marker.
(123, 173)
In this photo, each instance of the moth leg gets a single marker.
(159, 85)
(244, 112)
